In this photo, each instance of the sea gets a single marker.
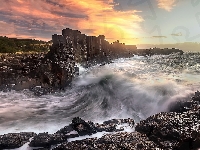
(135, 87)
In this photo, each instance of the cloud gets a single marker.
(69, 15)
(10, 30)
(46, 17)
(6, 28)
(53, 2)
(166, 4)
(159, 37)
(177, 34)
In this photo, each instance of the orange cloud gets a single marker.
(93, 16)
(9, 30)
(166, 4)
(113, 24)
(6, 28)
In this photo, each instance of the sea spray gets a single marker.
(127, 88)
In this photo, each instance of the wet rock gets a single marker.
(50, 71)
(53, 71)
(83, 127)
(106, 127)
(65, 130)
(18, 71)
(113, 121)
(172, 130)
(68, 132)
(58, 66)
(88, 128)
(166, 130)
(46, 140)
(181, 106)
(196, 97)
(41, 140)
(184, 106)
(122, 140)
(15, 140)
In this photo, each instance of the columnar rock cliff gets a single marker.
(55, 70)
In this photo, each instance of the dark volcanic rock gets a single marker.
(58, 67)
(173, 130)
(184, 106)
(15, 140)
(158, 51)
(177, 130)
(67, 131)
(88, 128)
(196, 97)
(119, 141)
(46, 140)
(47, 73)
(17, 71)
(39, 72)
(82, 127)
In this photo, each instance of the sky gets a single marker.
(129, 21)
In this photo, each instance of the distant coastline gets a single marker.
(186, 46)
(52, 65)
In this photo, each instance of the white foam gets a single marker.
(135, 88)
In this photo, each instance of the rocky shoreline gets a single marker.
(45, 73)
(41, 73)
(48, 72)
(178, 129)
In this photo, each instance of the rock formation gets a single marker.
(45, 73)
(157, 51)
(178, 129)
(15, 140)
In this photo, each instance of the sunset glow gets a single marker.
(127, 21)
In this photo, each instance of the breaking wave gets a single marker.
(135, 87)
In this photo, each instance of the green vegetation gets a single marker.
(12, 45)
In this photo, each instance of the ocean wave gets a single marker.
(136, 87)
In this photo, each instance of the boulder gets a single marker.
(83, 127)
(15, 140)
(172, 130)
(46, 140)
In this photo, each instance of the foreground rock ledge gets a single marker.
(178, 130)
